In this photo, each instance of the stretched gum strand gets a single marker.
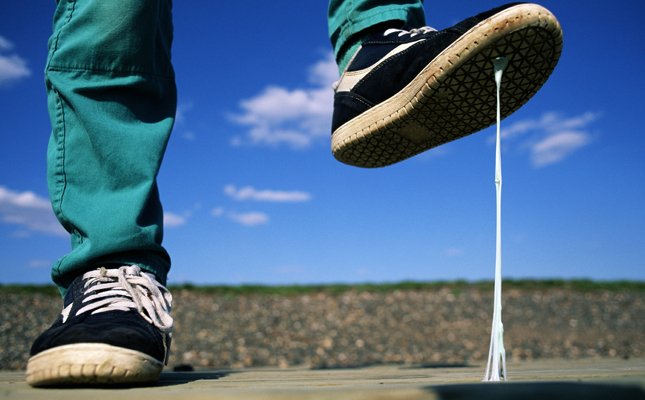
(497, 332)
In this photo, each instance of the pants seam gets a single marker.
(71, 8)
(61, 181)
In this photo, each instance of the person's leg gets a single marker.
(112, 100)
(352, 21)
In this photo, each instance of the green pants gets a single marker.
(347, 19)
(112, 100)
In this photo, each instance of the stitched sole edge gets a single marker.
(404, 126)
(87, 364)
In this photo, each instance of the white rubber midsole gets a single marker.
(91, 362)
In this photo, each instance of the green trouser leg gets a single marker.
(349, 21)
(112, 101)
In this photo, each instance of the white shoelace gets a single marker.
(127, 288)
(411, 32)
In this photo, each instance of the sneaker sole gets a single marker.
(455, 95)
(91, 364)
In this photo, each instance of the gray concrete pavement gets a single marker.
(551, 379)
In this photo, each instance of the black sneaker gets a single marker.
(115, 329)
(405, 92)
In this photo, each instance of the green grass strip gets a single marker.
(577, 285)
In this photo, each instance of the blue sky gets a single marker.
(252, 193)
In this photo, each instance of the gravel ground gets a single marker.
(355, 329)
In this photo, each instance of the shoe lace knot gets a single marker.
(127, 288)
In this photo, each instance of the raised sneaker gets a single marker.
(407, 91)
(115, 329)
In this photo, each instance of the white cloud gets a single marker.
(39, 263)
(550, 138)
(29, 211)
(182, 109)
(188, 135)
(325, 71)
(217, 212)
(253, 218)
(249, 218)
(556, 147)
(12, 66)
(5, 44)
(171, 220)
(249, 193)
(453, 251)
(295, 117)
(437, 152)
